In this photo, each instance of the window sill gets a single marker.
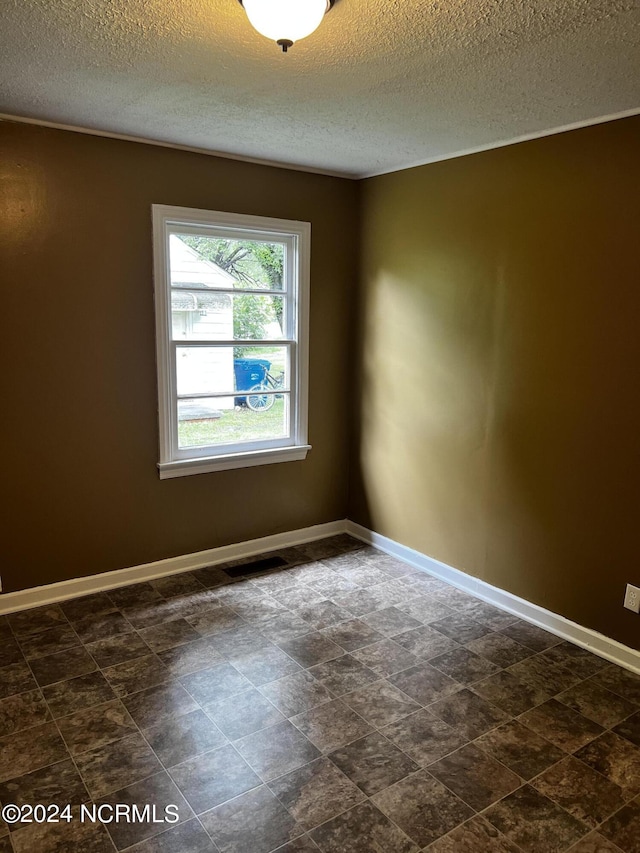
(207, 464)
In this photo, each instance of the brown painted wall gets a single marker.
(499, 415)
(79, 417)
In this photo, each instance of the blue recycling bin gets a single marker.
(249, 372)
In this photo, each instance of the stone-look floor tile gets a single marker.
(425, 643)
(118, 649)
(581, 791)
(152, 613)
(30, 749)
(36, 620)
(385, 658)
(373, 763)
(422, 807)
(217, 682)
(460, 628)
(323, 615)
(363, 829)
(94, 628)
(256, 821)
(168, 635)
(16, 678)
(363, 575)
(296, 693)
(134, 595)
(240, 641)
(531, 636)
(623, 828)
(501, 650)
(534, 822)
(5, 844)
(488, 615)
(316, 793)
(176, 740)
(424, 737)
(359, 602)
(183, 660)
(285, 626)
(454, 598)
(258, 611)
(615, 758)
(212, 576)
(512, 695)
(266, 665)
(468, 713)
(597, 703)
(96, 726)
(302, 844)
(216, 621)
(243, 714)
(10, 652)
(62, 837)
(391, 621)
(425, 609)
(520, 749)
(47, 642)
(475, 777)
(464, 666)
(299, 596)
(331, 586)
(620, 681)
(174, 585)
(630, 729)
(343, 675)
(159, 791)
(562, 726)
(311, 649)
(545, 676)
(352, 634)
(123, 762)
(135, 675)
(189, 837)
(66, 697)
(594, 843)
(157, 704)
(331, 725)
(62, 666)
(581, 662)
(277, 750)
(381, 703)
(22, 711)
(88, 605)
(56, 784)
(475, 836)
(424, 683)
(213, 778)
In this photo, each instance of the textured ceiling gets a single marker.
(381, 85)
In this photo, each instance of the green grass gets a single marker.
(240, 424)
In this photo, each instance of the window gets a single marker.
(232, 325)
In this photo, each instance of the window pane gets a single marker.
(224, 370)
(203, 421)
(221, 262)
(203, 314)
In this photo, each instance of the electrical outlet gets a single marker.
(632, 598)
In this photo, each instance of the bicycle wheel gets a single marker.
(258, 401)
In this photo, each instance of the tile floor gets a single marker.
(344, 703)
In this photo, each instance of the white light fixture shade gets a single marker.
(285, 20)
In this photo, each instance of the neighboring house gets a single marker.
(199, 313)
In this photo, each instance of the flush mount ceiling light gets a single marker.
(286, 21)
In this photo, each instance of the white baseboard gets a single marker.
(61, 591)
(560, 626)
(597, 643)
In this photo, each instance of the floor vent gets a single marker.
(256, 566)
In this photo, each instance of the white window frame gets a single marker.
(180, 462)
